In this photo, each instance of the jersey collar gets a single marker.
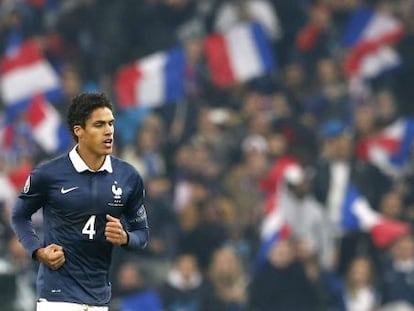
(80, 165)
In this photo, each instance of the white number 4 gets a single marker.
(89, 227)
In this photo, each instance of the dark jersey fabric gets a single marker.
(74, 216)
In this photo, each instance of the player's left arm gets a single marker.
(135, 233)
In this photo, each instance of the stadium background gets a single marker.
(215, 100)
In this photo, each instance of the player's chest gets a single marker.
(96, 193)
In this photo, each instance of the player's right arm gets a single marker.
(29, 201)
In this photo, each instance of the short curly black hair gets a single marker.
(82, 106)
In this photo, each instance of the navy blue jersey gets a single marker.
(75, 202)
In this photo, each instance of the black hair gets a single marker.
(82, 106)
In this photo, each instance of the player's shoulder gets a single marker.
(53, 165)
(123, 166)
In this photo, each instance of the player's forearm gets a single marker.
(137, 239)
(21, 222)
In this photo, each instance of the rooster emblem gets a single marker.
(117, 191)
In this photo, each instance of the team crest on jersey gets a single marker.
(26, 187)
(117, 192)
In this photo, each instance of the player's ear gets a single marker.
(78, 130)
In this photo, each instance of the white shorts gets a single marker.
(44, 305)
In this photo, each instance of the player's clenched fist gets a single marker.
(114, 231)
(51, 255)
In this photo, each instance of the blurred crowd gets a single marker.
(208, 161)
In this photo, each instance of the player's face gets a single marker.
(98, 134)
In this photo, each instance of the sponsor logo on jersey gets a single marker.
(64, 191)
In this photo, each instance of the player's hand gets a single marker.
(114, 231)
(51, 255)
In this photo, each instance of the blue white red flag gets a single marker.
(241, 54)
(370, 35)
(25, 72)
(274, 226)
(49, 130)
(391, 148)
(357, 215)
(152, 81)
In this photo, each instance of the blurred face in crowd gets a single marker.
(147, 141)
(225, 261)
(364, 119)
(252, 103)
(282, 254)
(339, 148)
(320, 15)
(276, 144)
(280, 106)
(403, 249)
(391, 205)
(359, 273)
(256, 164)
(205, 125)
(294, 76)
(304, 249)
(129, 277)
(327, 71)
(189, 218)
(187, 266)
(259, 124)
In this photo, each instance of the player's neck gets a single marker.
(92, 160)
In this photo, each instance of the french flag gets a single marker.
(391, 148)
(274, 226)
(48, 130)
(241, 54)
(370, 35)
(357, 215)
(25, 72)
(152, 81)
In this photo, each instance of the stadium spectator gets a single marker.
(276, 285)
(397, 271)
(361, 290)
(228, 279)
(185, 287)
(132, 291)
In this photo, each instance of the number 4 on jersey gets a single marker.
(89, 227)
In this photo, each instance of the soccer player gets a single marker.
(91, 201)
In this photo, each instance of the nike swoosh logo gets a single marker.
(64, 191)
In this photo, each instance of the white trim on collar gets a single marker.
(80, 165)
